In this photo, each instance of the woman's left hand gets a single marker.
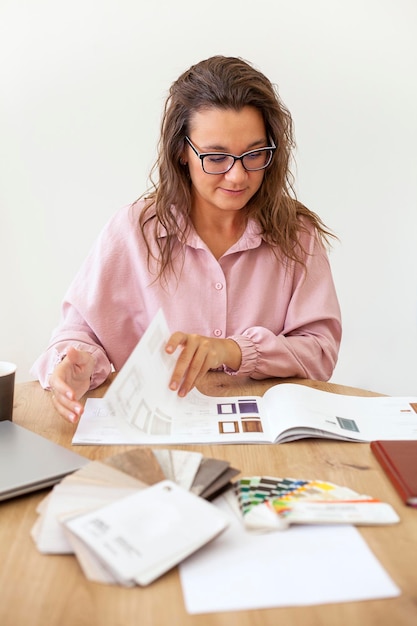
(198, 355)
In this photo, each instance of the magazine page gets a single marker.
(197, 419)
(297, 411)
(140, 408)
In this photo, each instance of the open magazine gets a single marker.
(139, 408)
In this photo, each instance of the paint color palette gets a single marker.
(269, 503)
(254, 490)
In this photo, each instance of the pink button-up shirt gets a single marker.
(285, 320)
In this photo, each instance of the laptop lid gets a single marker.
(29, 462)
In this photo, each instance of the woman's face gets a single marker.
(230, 131)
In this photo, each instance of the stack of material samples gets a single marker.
(132, 517)
(272, 503)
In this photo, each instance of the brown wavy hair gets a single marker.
(225, 83)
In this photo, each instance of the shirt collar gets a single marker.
(251, 238)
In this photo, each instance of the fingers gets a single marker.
(69, 382)
(198, 355)
(177, 339)
(66, 406)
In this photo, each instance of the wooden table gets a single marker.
(43, 590)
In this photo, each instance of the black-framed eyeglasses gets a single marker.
(222, 162)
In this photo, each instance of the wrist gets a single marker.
(233, 359)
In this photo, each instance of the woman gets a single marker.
(237, 264)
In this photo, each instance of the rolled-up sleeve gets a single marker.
(307, 344)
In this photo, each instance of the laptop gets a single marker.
(29, 462)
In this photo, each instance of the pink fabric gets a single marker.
(286, 322)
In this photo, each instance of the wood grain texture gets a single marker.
(36, 590)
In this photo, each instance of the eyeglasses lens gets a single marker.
(221, 163)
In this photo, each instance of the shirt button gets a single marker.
(218, 286)
(217, 332)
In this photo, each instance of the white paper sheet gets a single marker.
(304, 565)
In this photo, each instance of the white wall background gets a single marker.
(82, 85)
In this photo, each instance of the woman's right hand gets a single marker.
(70, 381)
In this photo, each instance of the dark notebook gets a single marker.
(399, 460)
